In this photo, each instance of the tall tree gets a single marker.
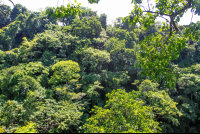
(103, 20)
(18, 8)
(4, 18)
(156, 52)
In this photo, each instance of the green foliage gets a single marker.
(88, 28)
(98, 43)
(164, 48)
(25, 25)
(93, 93)
(114, 43)
(46, 47)
(29, 128)
(163, 107)
(52, 75)
(87, 12)
(95, 59)
(103, 19)
(33, 100)
(186, 95)
(4, 18)
(1, 130)
(187, 56)
(93, 1)
(12, 113)
(7, 35)
(64, 71)
(18, 8)
(62, 11)
(121, 114)
(189, 85)
(130, 38)
(17, 81)
(121, 58)
(114, 80)
(154, 57)
(52, 116)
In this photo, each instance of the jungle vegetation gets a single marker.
(139, 75)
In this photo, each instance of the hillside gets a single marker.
(87, 76)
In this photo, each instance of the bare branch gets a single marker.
(57, 3)
(2, 12)
(164, 18)
(148, 4)
(143, 7)
(69, 1)
(170, 29)
(12, 2)
(192, 16)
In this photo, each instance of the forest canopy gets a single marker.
(138, 75)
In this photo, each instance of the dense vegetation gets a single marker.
(87, 76)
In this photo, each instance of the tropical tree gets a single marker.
(18, 8)
(122, 114)
(159, 50)
(4, 18)
(103, 20)
(95, 59)
(64, 71)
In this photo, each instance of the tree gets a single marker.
(87, 27)
(64, 71)
(93, 1)
(164, 48)
(164, 108)
(87, 12)
(122, 114)
(3, 11)
(52, 116)
(188, 99)
(18, 8)
(29, 128)
(95, 59)
(12, 113)
(4, 19)
(15, 82)
(103, 20)
(52, 92)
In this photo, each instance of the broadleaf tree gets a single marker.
(156, 52)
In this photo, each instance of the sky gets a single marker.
(112, 8)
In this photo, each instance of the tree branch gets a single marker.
(12, 2)
(188, 5)
(183, 9)
(57, 3)
(172, 16)
(148, 4)
(143, 7)
(174, 25)
(3, 12)
(158, 13)
(170, 29)
(164, 18)
(192, 16)
(69, 1)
